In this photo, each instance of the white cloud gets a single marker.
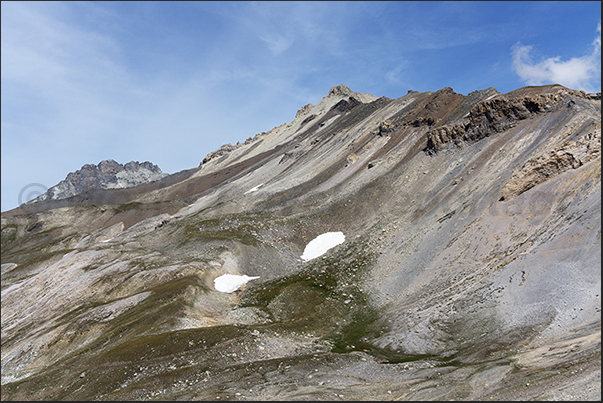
(276, 43)
(394, 75)
(583, 73)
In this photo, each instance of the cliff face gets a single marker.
(107, 174)
(499, 114)
(464, 264)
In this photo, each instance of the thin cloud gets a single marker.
(394, 75)
(583, 73)
(276, 43)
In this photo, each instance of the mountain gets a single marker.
(108, 174)
(437, 246)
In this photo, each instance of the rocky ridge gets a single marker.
(108, 174)
(499, 114)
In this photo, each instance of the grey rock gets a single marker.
(108, 174)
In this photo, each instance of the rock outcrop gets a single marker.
(571, 155)
(496, 115)
(108, 174)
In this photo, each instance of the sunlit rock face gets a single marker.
(437, 246)
(108, 174)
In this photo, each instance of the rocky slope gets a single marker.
(469, 263)
(108, 174)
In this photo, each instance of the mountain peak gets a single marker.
(340, 90)
(106, 175)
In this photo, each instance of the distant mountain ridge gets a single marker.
(108, 174)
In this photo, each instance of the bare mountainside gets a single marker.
(437, 246)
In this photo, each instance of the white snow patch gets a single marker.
(231, 282)
(321, 244)
(253, 189)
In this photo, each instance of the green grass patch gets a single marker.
(324, 297)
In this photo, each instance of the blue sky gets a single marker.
(169, 82)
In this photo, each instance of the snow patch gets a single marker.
(253, 189)
(231, 282)
(321, 244)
